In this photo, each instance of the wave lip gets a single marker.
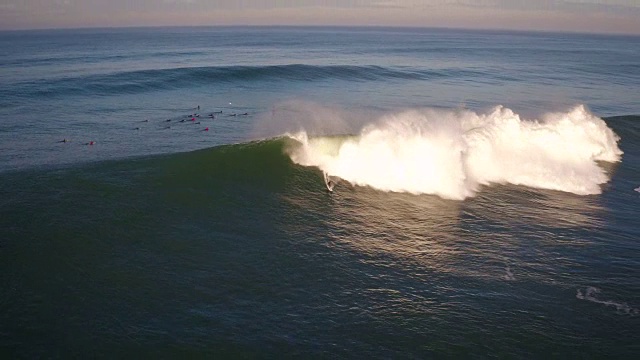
(451, 153)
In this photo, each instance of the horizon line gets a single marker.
(441, 28)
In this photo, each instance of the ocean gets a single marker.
(162, 193)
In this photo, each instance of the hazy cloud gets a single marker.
(544, 4)
(62, 2)
(572, 15)
(9, 6)
(388, 4)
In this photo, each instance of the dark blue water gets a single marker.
(484, 203)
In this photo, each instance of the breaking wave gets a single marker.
(452, 153)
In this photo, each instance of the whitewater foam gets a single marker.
(590, 294)
(450, 153)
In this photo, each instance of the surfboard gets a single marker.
(328, 182)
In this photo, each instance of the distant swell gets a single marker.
(131, 82)
(451, 153)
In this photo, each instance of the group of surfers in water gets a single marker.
(191, 116)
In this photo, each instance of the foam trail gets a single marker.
(450, 153)
(590, 294)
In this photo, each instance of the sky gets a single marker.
(595, 16)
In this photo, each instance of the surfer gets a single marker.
(206, 129)
(64, 141)
(90, 142)
(328, 182)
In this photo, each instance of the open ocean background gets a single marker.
(484, 205)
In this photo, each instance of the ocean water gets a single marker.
(486, 198)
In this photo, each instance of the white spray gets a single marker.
(450, 153)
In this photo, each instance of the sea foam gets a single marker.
(450, 153)
(590, 294)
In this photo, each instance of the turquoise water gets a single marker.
(457, 228)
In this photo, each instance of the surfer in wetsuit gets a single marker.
(328, 182)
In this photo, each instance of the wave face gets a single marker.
(255, 164)
(451, 153)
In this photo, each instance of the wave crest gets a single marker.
(450, 153)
